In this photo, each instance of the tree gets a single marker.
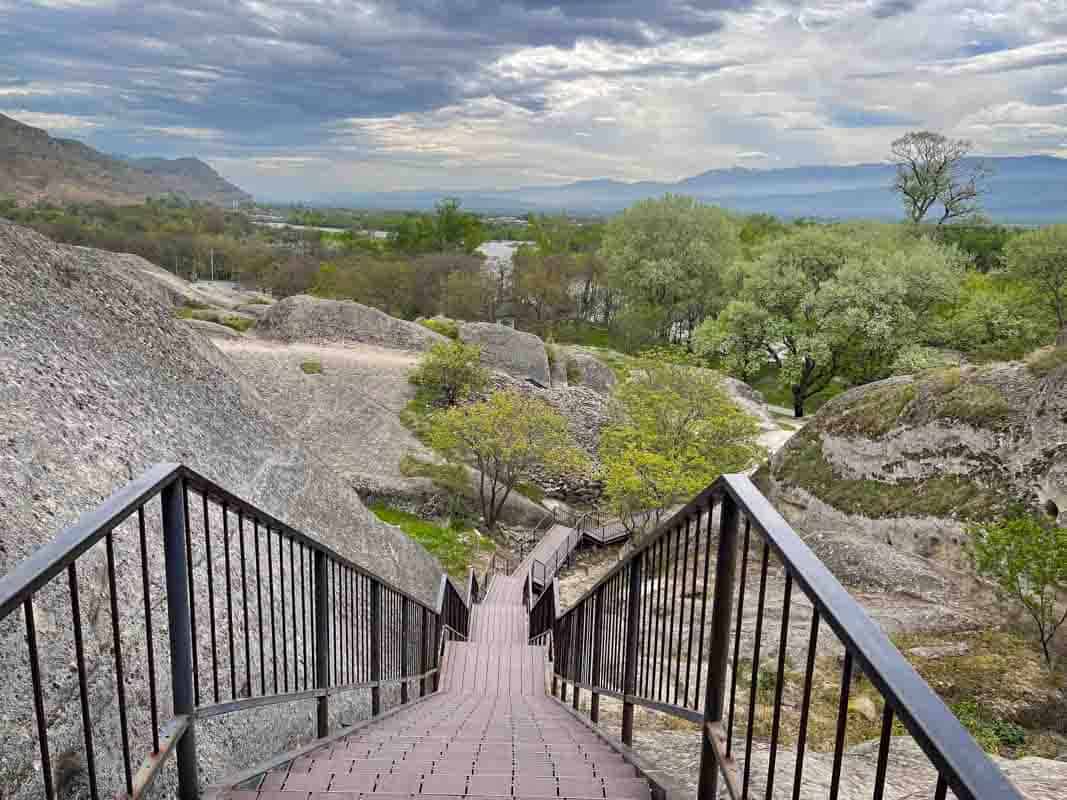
(675, 431)
(451, 372)
(672, 254)
(506, 438)
(1039, 257)
(742, 335)
(931, 170)
(1027, 560)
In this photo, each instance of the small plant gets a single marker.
(260, 301)
(530, 490)
(1027, 560)
(1044, 361)
(991, 734)
(239, 324)
(441, 325)
(183, 313)
(451, 372)
(552, 355)
(311, 367)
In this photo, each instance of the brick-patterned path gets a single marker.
(491, 731)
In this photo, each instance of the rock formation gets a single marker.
(313, 320)
(511, 351)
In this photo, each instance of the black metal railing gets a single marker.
(679, 627)
(257, 613)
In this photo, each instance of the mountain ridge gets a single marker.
(36, 166)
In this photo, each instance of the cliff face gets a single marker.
(97, 382)
(35, 166)
(912, 460)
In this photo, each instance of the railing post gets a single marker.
(576, 658)
(436, 682)
(629, 684)
(375, 647)
(719, 646)
(181, 638)
(424, 662)
(405, 624)
(594, 678)
(322, 644)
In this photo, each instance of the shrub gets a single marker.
(1026, 558)
(1046, 360)
(451, 372)
(455, 549)
(311, 367)
(441, 325)
(239, 324)
(917, 358)
(574, 372)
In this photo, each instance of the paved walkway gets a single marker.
(491, 731)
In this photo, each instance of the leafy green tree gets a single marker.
(451, 372)
(932, 170)
(1027, 560)
(675, 431)
(672, 254)
(824, 303)
(506, 438)
(1039, 257)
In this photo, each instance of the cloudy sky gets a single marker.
(295, 97)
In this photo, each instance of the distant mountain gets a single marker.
(36, 166)
(1022, 190)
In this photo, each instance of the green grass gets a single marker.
(456, 550)
(585, 334)
(531, 491)
(260, 301)
(239, 324)
(875, 413)
(311, 367)
(445, 327)
(198, 311)
(978, 404)
(1046, 360)
(805, 465)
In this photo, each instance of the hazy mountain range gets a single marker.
(36, 166)
(1024, 189)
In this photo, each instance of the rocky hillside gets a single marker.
(98, 381)
(911, 460)
(36, 166)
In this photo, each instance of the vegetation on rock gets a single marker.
(1026, 558)
(505, 437)
(451, 372)
(676, 430)
(456, 549)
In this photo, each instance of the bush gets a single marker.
(451, 372)
(1046, 360)
(441, 325)
(455, 549)
(917, 358)
(574, 372)
(311, 367)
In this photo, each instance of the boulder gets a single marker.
(593, 372)
(303, 318)
(99, 381)
(514, 352)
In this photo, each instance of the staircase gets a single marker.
(467, 681)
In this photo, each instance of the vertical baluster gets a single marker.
(281, 600)
(273, 625)
(303, 615)
(692, 610)
(375, 646)
(120, 680)
(149, 648)
(842, 724)
(292, 608)
(210, 568)
(229, 599)
(725, 565)
(674, 564)
(192, 594)
(777, 719)
(244, 603)
(259, 615)
(883, 752)
(38, 699)
(805, 705)
(754, 681)
(83, 685)
(630, 669)
(704, 597)
(322, 644)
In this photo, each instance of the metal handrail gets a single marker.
(342, 628)
(618, 639)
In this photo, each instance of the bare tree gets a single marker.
(931, 171)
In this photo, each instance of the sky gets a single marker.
(303, 97)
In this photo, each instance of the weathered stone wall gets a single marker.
(98, 381)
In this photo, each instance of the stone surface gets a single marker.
(595, 374)
(514, 352)
(98, 381)
(212, 329)
(313, 320)
(940, 651)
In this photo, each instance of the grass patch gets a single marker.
(239, 324)
(978, 404)
(875, 413)
(416, 415)
(445, 327)
(585, 334)
(1046, 360)
(195, 305)
(311, 367)
(260, 301)
(455, 549)
(207, 314)
(450, 477)
(805, 465)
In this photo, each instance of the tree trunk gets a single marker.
(1061, 337)
(798, 403)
